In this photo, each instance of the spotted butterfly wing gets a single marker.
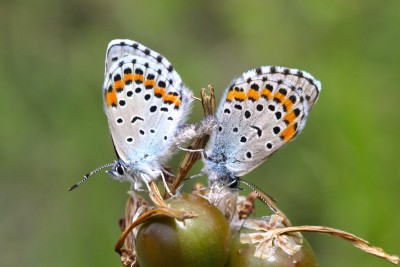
(145, 103)
(261, 111)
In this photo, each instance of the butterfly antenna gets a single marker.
(267, 199)
(86, 176)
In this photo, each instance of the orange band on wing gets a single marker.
(128, 78)
(280, 97)
(111, 98)
(159, 91)
(289, 132)
(118, 85)
(149, 84)
(239, 94)
(229, 97)
(253, 95)
(266, 94)
(177, 103)
(288, 103)
(138, 78)
(290, 117)
(171, 98)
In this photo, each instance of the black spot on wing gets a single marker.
(134, 119)
(259, 131)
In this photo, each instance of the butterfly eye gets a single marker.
(120, 169)
(234, 184)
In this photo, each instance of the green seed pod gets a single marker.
(202, 241)
(243, 255)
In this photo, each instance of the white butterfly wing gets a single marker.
(260, 112)
(145, 102)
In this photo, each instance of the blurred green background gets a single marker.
(341, 172)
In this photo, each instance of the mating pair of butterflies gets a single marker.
(146, 104)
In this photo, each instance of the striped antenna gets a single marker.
(267, 199)
(86, 176)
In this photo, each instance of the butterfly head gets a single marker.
(118, 171)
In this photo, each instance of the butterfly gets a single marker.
(146, 104)
(261, 111)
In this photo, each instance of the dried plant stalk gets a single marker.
(357, 241)
(134, 206)
(208, 103)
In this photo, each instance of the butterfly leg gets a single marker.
(165, 184)
(190, 150)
